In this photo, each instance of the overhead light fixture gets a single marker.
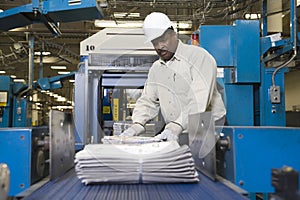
(44, 53)
(19, 80)
(2, 72)
(136, 24)
(72, 81)
(62, 72)
(58, 67)
(126, 15)
(13, 76)
(119, 24)
(62, 107)
(252, 16)
(183, 24)
(61, 99)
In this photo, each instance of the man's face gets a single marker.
(166, 45)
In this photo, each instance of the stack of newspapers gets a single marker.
(150, 162)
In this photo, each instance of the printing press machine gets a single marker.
(246, 151)
(100, 70)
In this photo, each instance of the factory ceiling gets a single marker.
(64, 49)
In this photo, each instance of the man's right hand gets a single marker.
(133, 130)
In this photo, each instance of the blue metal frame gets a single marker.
(15, 148)
(54, 82)
(21, 113)
(16, 113)
(19, 148)
(49, 12)
(230, 47)
(275, 146)
(254, 151)
(6, 86)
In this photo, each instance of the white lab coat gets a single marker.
(184, 85)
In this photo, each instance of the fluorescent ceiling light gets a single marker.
(183, 24)
(44, 53)
(120, 24)
(63, 72)
(13, 76)
(2, 72)
(136, 24)
(252, 16)
(61, 99)
(62, 107)
(58, 67)
(126, 15)
(72, 81)
(19, 80)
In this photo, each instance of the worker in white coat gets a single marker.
(181, 82)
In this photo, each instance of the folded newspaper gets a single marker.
(155, 162)
(128, 140)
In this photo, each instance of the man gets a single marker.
(181, 82)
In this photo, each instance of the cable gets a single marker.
(294, 31)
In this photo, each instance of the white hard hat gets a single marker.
(155, 24)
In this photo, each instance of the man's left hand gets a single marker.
(171, 132)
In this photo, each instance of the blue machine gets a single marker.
(49, 13)
(230, 46)
(14, 110)
(24, 151)
(254, 151)
(245, 77)
(5, 101)
(257, 137)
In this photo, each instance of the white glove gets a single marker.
(133, 130)
(171, 132)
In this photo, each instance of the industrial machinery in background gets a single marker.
(26, 147)
(29, 151)
(26, 152)
(113, 69)
(15, 109)
(256, 138)
(50, 13)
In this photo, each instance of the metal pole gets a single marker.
(41, 64)
(31, 62)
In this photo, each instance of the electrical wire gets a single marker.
(294, 21)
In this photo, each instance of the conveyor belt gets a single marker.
(70, 187)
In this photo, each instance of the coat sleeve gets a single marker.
(147, 106)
